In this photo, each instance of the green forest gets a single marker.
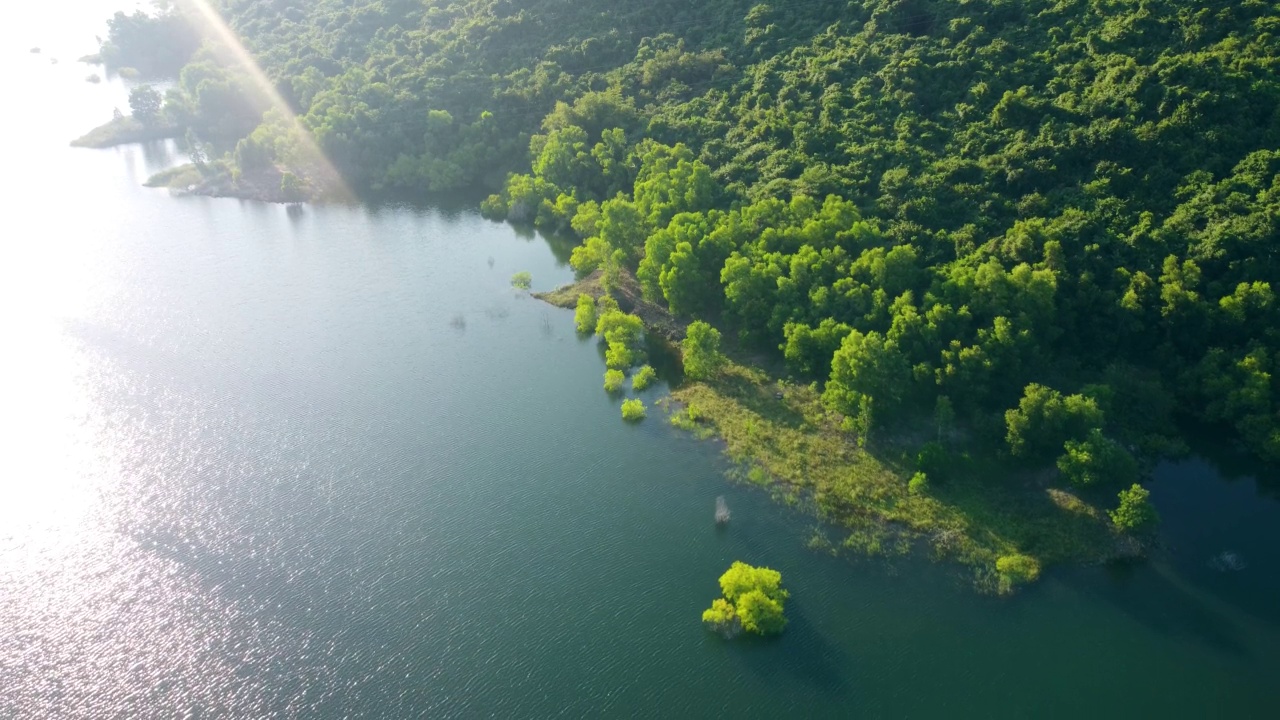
(1042, 230)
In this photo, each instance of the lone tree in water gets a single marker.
(753, 601)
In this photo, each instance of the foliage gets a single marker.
(753, 597)
(721, 617)
(145, 102)
(157, 45)
(1097, 460)
(522, 280)
(1045, 419)
(701, 351)
(633, 410)
(584, 315)
(643, 378)
(613, 380)
(1135, 512)
(624, 335)
(1017, 570)
(919, 484)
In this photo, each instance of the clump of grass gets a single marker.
(919, 484)
(643, 378)
(522, 280)
(633, 410)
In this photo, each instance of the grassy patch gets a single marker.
(789, 442)
(182, 176)
(124, 130)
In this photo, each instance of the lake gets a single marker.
(327, 463)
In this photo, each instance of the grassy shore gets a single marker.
(782, 438)
(124, 130)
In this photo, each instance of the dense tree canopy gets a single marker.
(1062, 216)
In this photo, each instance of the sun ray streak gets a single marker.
(213, 24)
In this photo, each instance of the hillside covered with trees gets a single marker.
(1043, 226)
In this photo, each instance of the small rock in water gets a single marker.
(722, 511)
(1227, 561)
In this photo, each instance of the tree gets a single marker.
(1135, 512)
(1096, 460)
(753, 597)
(643, 378)
(584, 316)
(867, 366)
(613, 380)
(944, 416)
(1044, 420)
(145, 103)
(633, 410)
(701, 351)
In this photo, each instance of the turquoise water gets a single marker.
(327, 463)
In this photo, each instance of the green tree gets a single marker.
(643, 378)
(1135, 512)
(584, 315)
(867, 366)
(1045, 419)
(753, 596)
(613, 380)
(633, 410)
(145, 102)
(701, 351)
(1097, 460)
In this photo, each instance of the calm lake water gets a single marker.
(328, 464)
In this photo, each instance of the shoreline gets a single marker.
(124, 131)
(783, 439)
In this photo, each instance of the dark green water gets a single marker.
(255, 466)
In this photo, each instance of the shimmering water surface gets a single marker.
(327, 463)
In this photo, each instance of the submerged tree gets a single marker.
(753, 601)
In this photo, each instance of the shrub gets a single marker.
(633, 410)
(613, 380)
(919, 484)
(522, 280)
(643, 378)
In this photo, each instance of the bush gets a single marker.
(643, 378)
(1135, 512)
(522, 280)
(633, 410)
(1017, 570)
(584, 316)
(613, 380)
(753, 598)
(919, 484)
